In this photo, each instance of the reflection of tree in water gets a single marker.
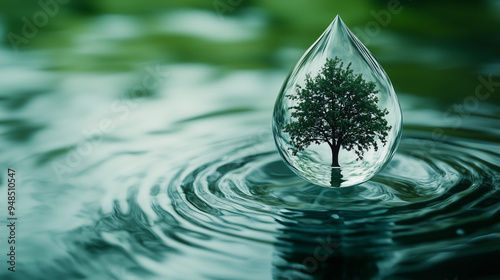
(319, 245)
(336, 177)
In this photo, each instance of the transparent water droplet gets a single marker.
(337, 120)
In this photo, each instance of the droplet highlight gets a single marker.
(337, 119)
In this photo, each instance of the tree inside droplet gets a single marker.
(339, 108)
(337, 119)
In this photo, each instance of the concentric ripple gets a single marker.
(232, 210)
(436, 204)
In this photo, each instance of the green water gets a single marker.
(139, 133)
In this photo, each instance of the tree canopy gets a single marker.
(339, 108)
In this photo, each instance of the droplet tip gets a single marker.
(337, 19)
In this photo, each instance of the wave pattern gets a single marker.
(233, 210)
(427, 215)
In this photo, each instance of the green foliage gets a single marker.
(339, 108)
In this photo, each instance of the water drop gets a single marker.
(337, 120)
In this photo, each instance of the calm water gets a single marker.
(143, 150)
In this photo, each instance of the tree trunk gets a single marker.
(335, 156)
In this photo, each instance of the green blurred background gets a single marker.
(428, 48)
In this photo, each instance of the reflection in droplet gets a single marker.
(337, 120)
